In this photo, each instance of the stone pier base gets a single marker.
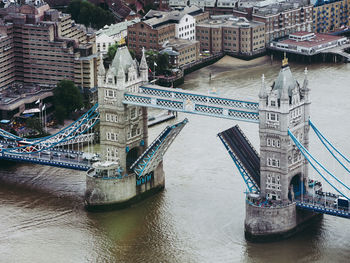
(113, 193)
(275, 223)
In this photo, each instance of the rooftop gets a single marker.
(313, 40)
(229, 21)
(115, 29)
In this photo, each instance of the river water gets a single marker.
(199, 217)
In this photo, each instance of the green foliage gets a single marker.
(111, 51)
(84, 12)
(67, 98)
(34, 124)
(162, 61)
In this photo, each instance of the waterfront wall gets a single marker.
(104, 193)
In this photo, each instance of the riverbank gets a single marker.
(229, 63)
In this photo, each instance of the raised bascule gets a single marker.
(281, 198)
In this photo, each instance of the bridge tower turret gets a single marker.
(283, 170)
(123, 134)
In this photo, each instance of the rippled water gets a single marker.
(199, 217)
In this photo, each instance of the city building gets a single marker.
(329, 16)
(41, 46)
(232, 35)
(307, 43)
(149, 34)
(159, 27)
(182, 51)
(111, 34)
(280, 18)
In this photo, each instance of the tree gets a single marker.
(111, 51)
(84, 12)
(34, 124)
(162, 63)
(67, 98)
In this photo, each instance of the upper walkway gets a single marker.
(193, 102)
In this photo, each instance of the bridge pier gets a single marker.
(275, 222)
(108, 193)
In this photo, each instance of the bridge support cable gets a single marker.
(244, 156)
(334, 151)
(314, 163)
(66, 136)
(153, 155)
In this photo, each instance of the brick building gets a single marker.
(331, 16)
(150, 34)
(232, 35)
(157, 27)
(182, 51)
(47, 47)
(282, 19)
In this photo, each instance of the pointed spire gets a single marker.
(101, 68)
(143, 64)
(262, 92)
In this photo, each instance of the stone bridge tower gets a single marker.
(284, 106)
(123, 138)
(123, 128)
(283, 170)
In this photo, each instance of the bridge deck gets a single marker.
(324, 203)
(242, 149)
(53, 157)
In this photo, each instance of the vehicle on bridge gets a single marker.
(29, 148)
(342, 202)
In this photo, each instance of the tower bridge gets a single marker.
(280, 196)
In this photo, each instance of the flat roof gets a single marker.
(319, 39)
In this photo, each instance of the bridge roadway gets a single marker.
(243, 153)
(193, 102)
(322, 202)
(54, 157)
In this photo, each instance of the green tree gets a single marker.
(67, 98)
(34, 124)
(162, 63)
(160, 60)
(84, 12)
(111, 51)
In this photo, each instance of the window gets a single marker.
(133, 113)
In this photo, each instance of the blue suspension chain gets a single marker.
(324, 141)
(305, 152)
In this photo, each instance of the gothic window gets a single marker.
(133, 113)
(133, 131)
(273, 162)
(272, 117)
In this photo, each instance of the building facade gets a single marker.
(182, 52)
(232, 35)
(48, 46)
(150, 35)
(289, 18)
(331, 16)
(111, 34)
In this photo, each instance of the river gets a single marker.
(199, 217)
